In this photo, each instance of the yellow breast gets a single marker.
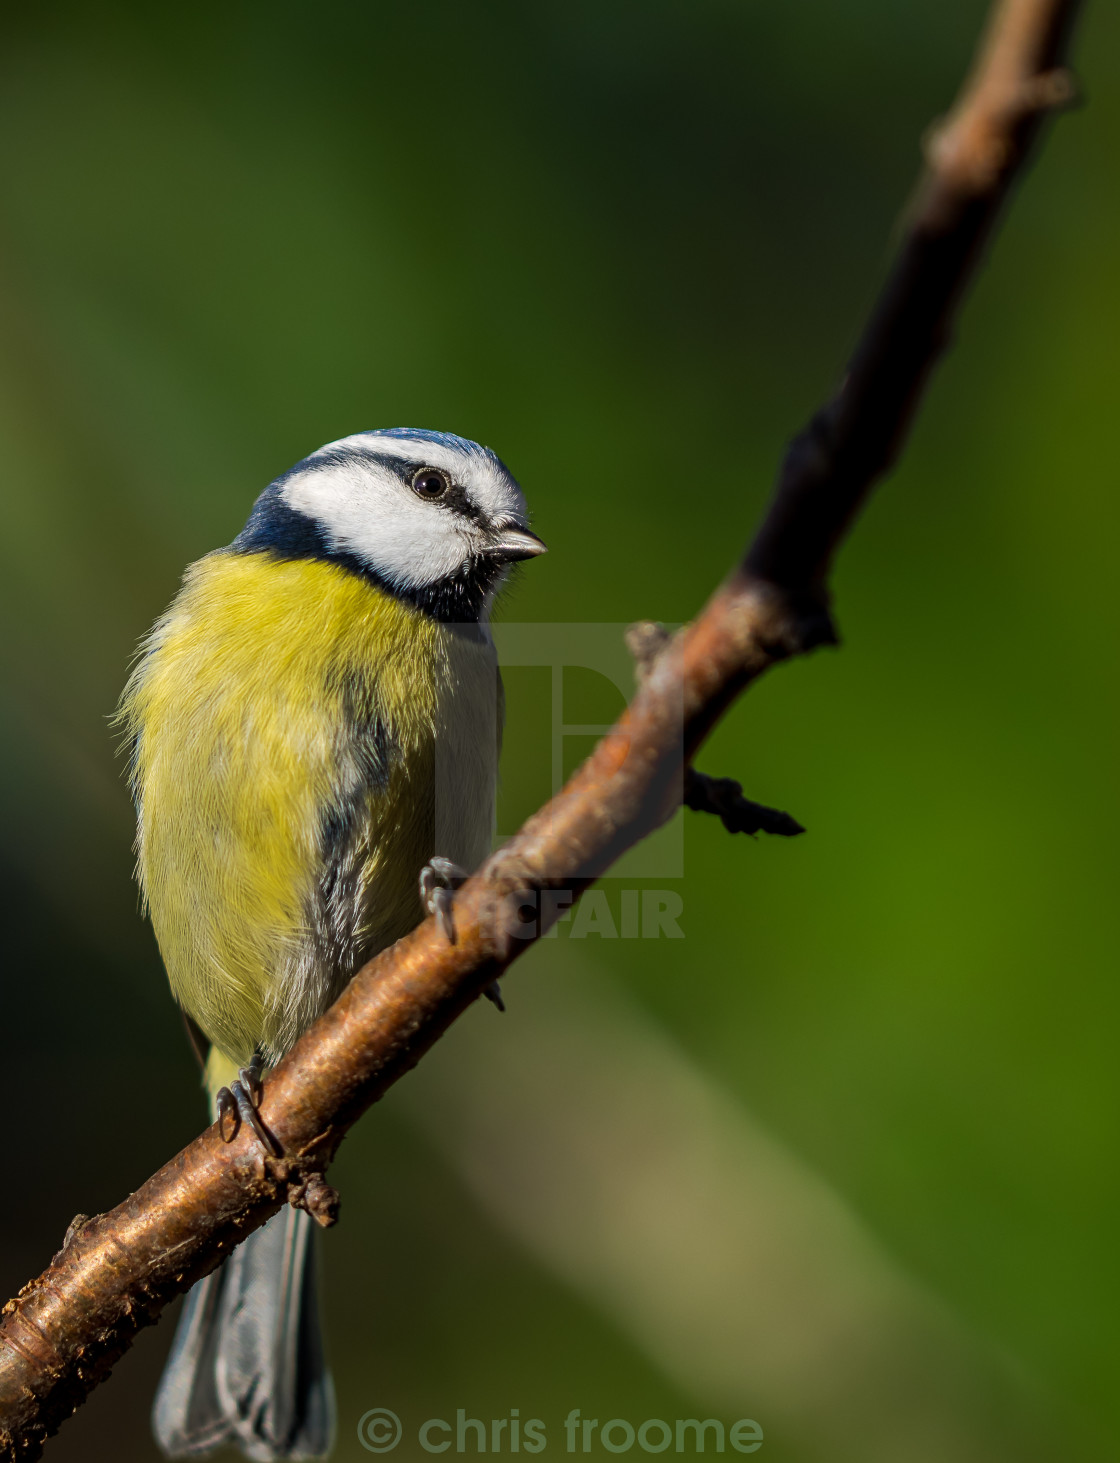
(304, 743)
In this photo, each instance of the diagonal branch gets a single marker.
(116, 1272)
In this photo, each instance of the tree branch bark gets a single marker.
(114, 1274)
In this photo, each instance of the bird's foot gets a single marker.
(438, 882)
(239, 1102)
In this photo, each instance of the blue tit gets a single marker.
(316, 717)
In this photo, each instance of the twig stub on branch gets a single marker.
(724, 797)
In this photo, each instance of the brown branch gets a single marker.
(116, 1272)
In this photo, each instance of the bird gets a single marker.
(313, 730)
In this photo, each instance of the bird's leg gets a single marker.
(247, 1091)
(239, 1102)
(438, 881)
(250, 1078)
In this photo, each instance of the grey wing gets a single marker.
(334, 947)
(366, 754)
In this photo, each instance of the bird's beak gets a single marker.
(515, 543)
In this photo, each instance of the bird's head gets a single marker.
(430, 517)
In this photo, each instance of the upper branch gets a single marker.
(973, 158)
(60, 1336)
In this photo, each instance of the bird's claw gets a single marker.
(438, 881)
(239, 1102)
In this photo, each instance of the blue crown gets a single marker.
(440, 439)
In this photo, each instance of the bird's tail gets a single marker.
(246, 1366)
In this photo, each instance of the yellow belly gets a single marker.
(304, 743)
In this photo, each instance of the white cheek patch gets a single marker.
(371, 514)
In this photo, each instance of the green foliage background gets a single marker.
(628, 245)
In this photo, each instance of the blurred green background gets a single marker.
(843, 1160)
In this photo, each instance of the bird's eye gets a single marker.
(429, 483)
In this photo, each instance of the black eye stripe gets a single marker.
(455, 498)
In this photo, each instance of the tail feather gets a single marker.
(247, 1366)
